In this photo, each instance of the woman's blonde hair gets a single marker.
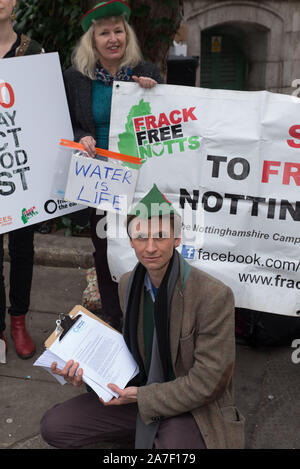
(85, 54)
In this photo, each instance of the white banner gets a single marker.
(229, 162)
(34, 116)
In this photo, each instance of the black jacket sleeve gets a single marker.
(148, 69)
(79, 96)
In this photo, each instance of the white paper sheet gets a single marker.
(45, 361)
(100, 351)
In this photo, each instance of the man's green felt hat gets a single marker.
(154, 203)
(105, 9)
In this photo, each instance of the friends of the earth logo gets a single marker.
(148, 135)
(27, 214)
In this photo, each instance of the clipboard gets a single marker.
(72, 314)
(90, 347)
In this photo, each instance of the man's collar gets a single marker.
(149, 286)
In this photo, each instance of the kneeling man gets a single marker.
(179, 326)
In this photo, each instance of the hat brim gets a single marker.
(112, 8)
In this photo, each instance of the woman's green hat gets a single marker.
(105, 9)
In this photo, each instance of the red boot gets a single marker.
(25, 348)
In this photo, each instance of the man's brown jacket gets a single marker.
(202, 344)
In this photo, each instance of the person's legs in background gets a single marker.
(2, 292)
(108, 289)
(21, 251)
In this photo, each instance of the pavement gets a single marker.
(267, 382)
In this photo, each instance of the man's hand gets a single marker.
(69, 372)
(126, 396)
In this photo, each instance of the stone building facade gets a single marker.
(245, 45)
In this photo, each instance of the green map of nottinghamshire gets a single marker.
(127, 140)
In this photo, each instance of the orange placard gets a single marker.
(102, 152)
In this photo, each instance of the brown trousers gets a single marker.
(83, 421)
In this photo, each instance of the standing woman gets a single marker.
(107, 51)
(20, 242)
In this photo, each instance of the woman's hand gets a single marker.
(144, 82)
(69, 372)
(89, 144)
(126, 396)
